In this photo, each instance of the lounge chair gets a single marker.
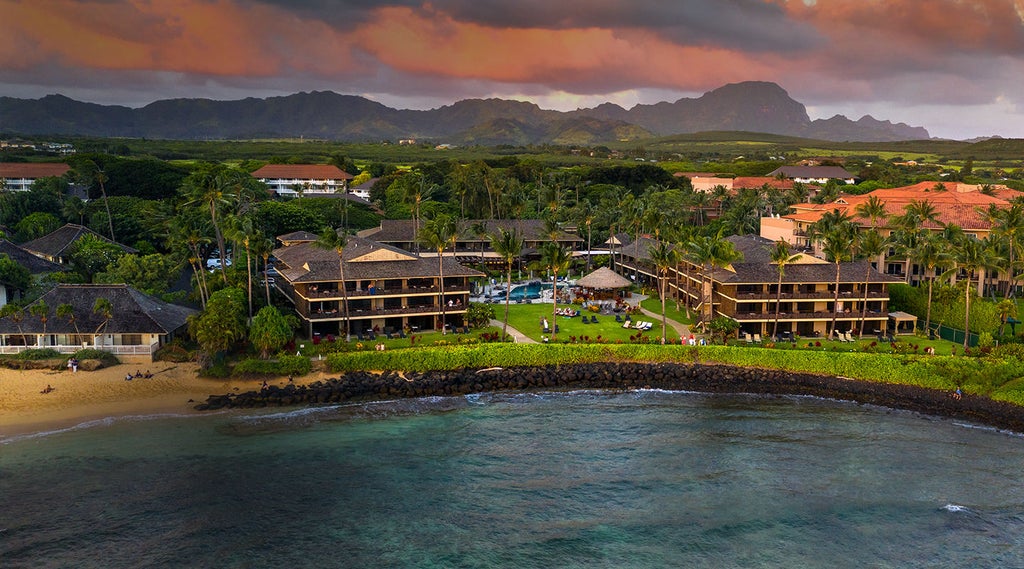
(626, 325)
(749, 338)
(848, 336)
(359, 335)
(757, 338)
(556, 328)
(618, 318)
(593, 319)
(585, 319)
(401, 333)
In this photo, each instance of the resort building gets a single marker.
(813, 174)
(748, 291)
(296, 180)
(387, 289)
(962, 205)
(135, 326)
(19, 176)
(474, 242)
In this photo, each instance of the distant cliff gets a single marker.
(750, 106)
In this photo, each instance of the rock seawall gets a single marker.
(364, 386)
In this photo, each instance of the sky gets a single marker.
(955, 67)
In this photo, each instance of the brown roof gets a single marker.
(756, 182)
(56, 243)
(302, 171)
(308, 263)
(35, 265)
(134, 312)
(604, 278)
(834, 172)
(32, 169)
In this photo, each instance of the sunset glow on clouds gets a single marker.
(953, 66)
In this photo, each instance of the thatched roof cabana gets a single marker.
(604, 278)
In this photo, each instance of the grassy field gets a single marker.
(527, 319)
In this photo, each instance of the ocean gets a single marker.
(584, 479)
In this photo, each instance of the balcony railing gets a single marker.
(793, 316)
(324, 294)
(354, 314)
(823, 295)
(120, 350)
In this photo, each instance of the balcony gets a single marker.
(336, 294)
(797, 316)
(370, 313)
(821, 295)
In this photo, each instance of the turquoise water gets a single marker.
(585, 479)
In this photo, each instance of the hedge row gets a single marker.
(999, 378)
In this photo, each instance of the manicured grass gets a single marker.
(654, 305)
(527, 319)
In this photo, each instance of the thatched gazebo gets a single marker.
(603, 279)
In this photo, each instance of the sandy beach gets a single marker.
(89, 395)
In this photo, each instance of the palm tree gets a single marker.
(17, 315)
(440, 233)
(1008, 224)
(873, 209)
(212, 188)
(337, 240)
(870, 245)
(709, 253)
(556, 258)
(262, 247)
(665, 258)
(105, 310)
(837, 246)
(509, 246)
(781, 256)
(932, 254)
(415, 196)
(68, 311)
(41, 311)
(969, 256)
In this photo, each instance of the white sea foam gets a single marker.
(955, 508)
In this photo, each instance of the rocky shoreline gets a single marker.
(365, 386)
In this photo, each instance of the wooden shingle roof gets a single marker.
(364, 259)
(57, 242)
(302, 172)
(134, 312)
(35, 265)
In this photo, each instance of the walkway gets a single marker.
(518, 336)
(682, 329)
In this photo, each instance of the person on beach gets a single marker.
(74, 365)
(129, 377)
(49, 389)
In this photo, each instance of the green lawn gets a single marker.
(527, 317)
(942, 347)
(654, 305)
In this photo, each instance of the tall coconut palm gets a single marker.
(969, 256)
(509, 246)
(1008, 226)
(556, 258)
(440, 233)
(337, 240)
(870, 245)
(105, 310)
(932, 254)
(41, 311)
(17, 315)
(781, 256)
(710, 253)
(665, 258)
(213, 188)
(838, 247)
(416, 194)
(68, 311)
(873, 209)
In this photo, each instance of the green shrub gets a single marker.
(108, 359)
(38, 354)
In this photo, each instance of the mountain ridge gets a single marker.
(754, 106)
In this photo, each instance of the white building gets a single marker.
(19, 176)
(303, 179)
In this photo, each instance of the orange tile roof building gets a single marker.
(959, 204)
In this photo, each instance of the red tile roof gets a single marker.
(959, 204)
(32, 169)
(302, 172)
